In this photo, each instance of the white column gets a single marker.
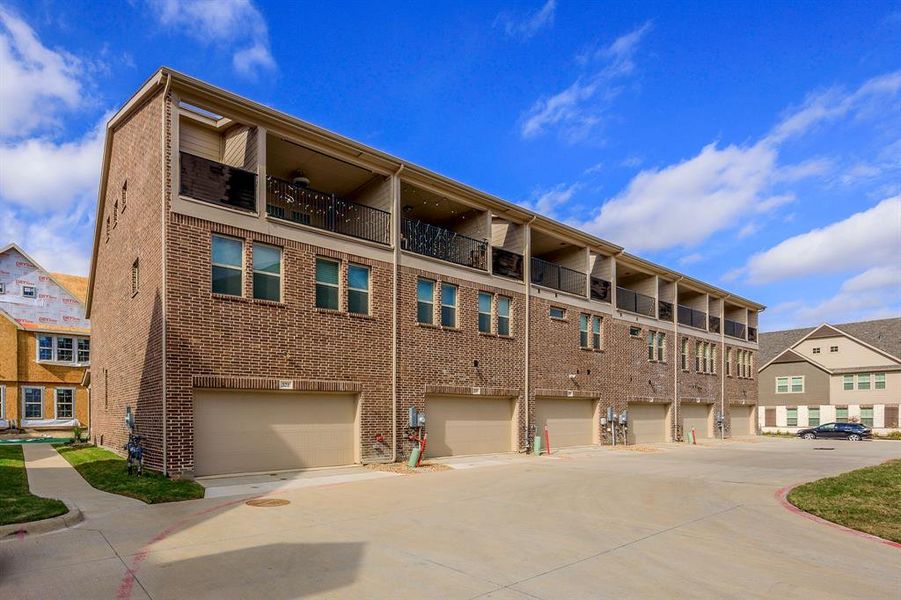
(878, 416)
(854, 413)
(803, 417)
(827, 413)
(781, 416)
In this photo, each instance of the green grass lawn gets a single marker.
(867, 499)
(17, 504)
(106, 471)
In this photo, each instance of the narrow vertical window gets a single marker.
(699, 357)
(708, 359)
(782, 385)
(848, 382)
(684, 354)
(227, 266)
(866, 416)
(425, 301)
(135, 277)
(729, 362)
(84, 350)
(65, 351)
(879, 381)
(34, 403)
(115, 214)
(813, 416)
(124, 197)
(841, 414)
(45, 347)
(358, 289)
(596, 332)
(791, 417)
(107, 228)
(863, 381)
(651, 340)
(485, 302)
(267, 272)
(327, 295)
(797, 385)
(448, 305)
(713, 359)
(503, 315)
(583, 330)
(65, 403)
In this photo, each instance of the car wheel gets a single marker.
(809, 436)
(853, 437)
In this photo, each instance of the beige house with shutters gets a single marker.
(831, 373)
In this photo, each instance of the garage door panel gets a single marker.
(742, 420)
(647, 423)
(697, 416)
(464, 425)
(243, 432)
(570, 421)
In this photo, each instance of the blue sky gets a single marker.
(757, 146)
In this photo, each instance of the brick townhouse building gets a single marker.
(269, 295)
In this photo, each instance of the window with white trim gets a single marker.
(833, 348)
(782, 385)
(684, 354)
(448, 305)
(327, 288)
(555, 312)
(33, 402)
(504, 304)
(797, 384)
(866, 416)
(227, 261)
(135, 277)
(84, 350)
(848, 382)
(2, 401)
(29, 291)
(729, 362)
(425, 301)
(656, 346)
(124, 194)
(267, 272)
(596, 332)
(65, 403)
(65, 349)
(813, 416)
(2, 288)
(45, 347)
(358, 289)
(583, 330)
(486, 306)
(815, 350)
(863, 381)
(879, 381)
(791, 417)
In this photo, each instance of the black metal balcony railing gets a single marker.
(636, 302)
(664, 310)
(302, 205)
(714, 325)
(437, 242)
(752, 334)
(600, 289)
(691, 317)
(506, 263)
(217, 183)
(557, 277)
(734, 329)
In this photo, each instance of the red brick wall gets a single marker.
(211, 335)
(126, 357)
(436, 356)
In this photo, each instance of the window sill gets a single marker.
(361, 316)
(60, 363)
(441, 327)
(263, 302)
(229, 297)
(496, 335)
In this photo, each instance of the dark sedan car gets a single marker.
(849, 431)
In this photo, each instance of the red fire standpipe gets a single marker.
(422, 443)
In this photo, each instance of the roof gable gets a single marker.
(53, 307)
(824, 331)
(790, 356)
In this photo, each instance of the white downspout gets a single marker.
(677, 364)
(395, 183)
(527, 274)
(723, 366)
(163, 214)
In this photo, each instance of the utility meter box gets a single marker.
(415, 418)
(624, 417)
(610, 414)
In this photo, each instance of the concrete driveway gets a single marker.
(679, 522)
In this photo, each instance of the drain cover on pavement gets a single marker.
(267, 502)
(824, 448)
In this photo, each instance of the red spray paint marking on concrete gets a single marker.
(782, 497)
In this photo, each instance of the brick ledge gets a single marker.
(264, 383)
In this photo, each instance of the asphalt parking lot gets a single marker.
(676, 522)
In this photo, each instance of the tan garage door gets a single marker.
(697, 416)
(647, 423)
(570, 421)
(460, 425)
(742, 420)
(246, 432)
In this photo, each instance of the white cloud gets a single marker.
(873, 294)
(35, 82)
(834, 104)
(578, 108)
(869, 238)
(60, 242)
(526, 26)
(691, 259)
(683, 204)
(51, 175)
(548, 201)
(234, 24)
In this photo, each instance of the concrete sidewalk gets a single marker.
(51, 476)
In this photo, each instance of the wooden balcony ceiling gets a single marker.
(326, 174)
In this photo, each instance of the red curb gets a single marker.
(782, 497)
